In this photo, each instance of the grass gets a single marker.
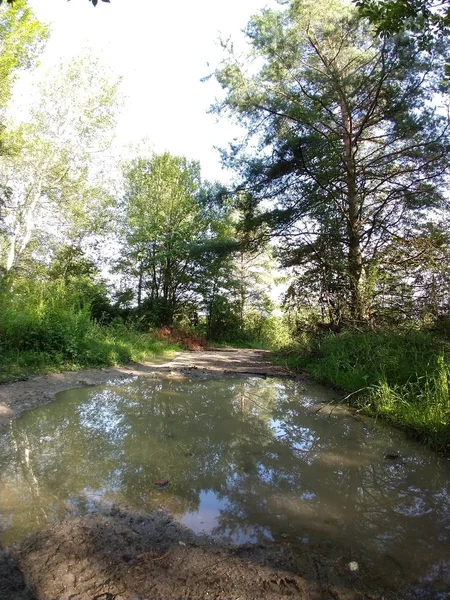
(402, 377)
(51, 330)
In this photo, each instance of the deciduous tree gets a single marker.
(163, 222)
(50, 179)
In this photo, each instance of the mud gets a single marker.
(119, 554)
(124, 556)
(24, 395)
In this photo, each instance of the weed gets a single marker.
(49, 329)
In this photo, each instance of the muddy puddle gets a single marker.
(246, 459)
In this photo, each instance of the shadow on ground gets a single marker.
(121, 555)
(13, 583)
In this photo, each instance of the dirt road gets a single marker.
(118, 554)
(23, 395)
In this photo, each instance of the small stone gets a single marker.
(68, 580)
(353, 566)
(180, 543)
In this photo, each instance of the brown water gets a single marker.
(247, 458)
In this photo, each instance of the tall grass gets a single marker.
(421, 405)
(45, 328)
(402, 377)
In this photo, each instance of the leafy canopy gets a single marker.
(343, 143)
(21, 38)
(428, 20)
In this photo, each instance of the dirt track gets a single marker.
(123, 556)
(116, 554)
(23, 395)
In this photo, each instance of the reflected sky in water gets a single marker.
(249, 459)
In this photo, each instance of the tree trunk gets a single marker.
(358, 296)
(140, 285)
(26, 219)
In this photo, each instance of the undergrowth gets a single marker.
(50, 329)
(402, 377)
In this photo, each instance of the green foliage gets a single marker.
(49, 327)
(80, 277)
(357, 360)
(223, 322)
(400, 376)
(428, 20)
(21, 39)
(268, 330)
(422, 406)
(50, 176)
(341, 138)
(163, 222)
(255, 330)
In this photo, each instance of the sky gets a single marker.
(162, 50)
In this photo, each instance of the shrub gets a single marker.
(50, 327)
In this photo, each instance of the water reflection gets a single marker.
(246, 458)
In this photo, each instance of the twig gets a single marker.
(325, 406)
(160, 557)
(340, 400)
(355, 392)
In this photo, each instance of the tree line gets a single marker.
(342, 166)
(142, 238)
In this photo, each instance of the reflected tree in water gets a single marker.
(276, 466)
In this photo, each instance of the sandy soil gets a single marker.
(121, 555)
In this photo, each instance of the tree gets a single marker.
(215, 283)
(414, 283)
(427, 20)
(349, 143)
(21, 39)
(51, 179)
(163, 222)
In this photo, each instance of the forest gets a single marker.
(329, 246)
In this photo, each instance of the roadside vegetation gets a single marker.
(51, 328)
(339, 198)
(401, 376)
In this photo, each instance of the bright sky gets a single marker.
(162, 50)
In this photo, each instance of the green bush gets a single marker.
(43, 328)
(269, 331)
